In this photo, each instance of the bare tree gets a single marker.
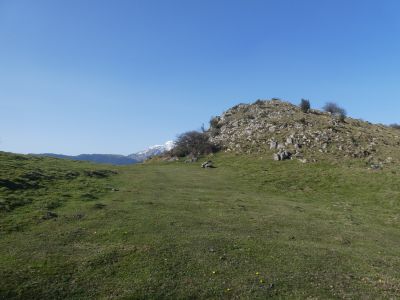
(193, 142)
(305, 105)
(395, 126)
(335, 110)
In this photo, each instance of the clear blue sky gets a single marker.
(93, 76)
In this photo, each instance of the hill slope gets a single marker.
(273, 126)
(113, 159)
(250, 228)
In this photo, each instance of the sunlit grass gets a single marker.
(250, 228)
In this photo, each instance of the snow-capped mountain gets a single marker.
(117, 159)
(152, 151)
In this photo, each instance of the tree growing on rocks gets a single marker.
(335, 110)
(305, 105)
(214, 126)
(194, 143)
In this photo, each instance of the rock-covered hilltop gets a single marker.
(285, 131)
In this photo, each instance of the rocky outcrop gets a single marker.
(282, 128)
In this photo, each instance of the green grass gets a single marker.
(250, 228)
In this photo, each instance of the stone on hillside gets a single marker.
(280, 146)
(376, 166)
(286, 155)
(289, 141)
(207, 164)
(191, 159)
(282, 155)
(273, 145)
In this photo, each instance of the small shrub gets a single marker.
(305, 105)
(335, 110)
(214, 131)
(52, 204)
(99, 206)
(88, 197)
(303, 121)
(11, 202)
(49, 215)
(193, 142)
(214, 122)
(99, 173)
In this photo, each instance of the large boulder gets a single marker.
(207, 164)
(282, 155)
(273, 145)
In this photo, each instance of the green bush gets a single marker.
(305, 105)
(194, 143)
(214, 122)
(335, 110)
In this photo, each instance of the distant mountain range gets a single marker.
(116, 159)
(113, 159)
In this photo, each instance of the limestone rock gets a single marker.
(282, 155)
(207, 164)
(277, 126)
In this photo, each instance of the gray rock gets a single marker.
(207, 164)
(376, 167)
(282, 155)
(286, 155)
(289, 141)
(280, 146)
(191, 160)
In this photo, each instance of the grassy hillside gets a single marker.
(250, 228)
